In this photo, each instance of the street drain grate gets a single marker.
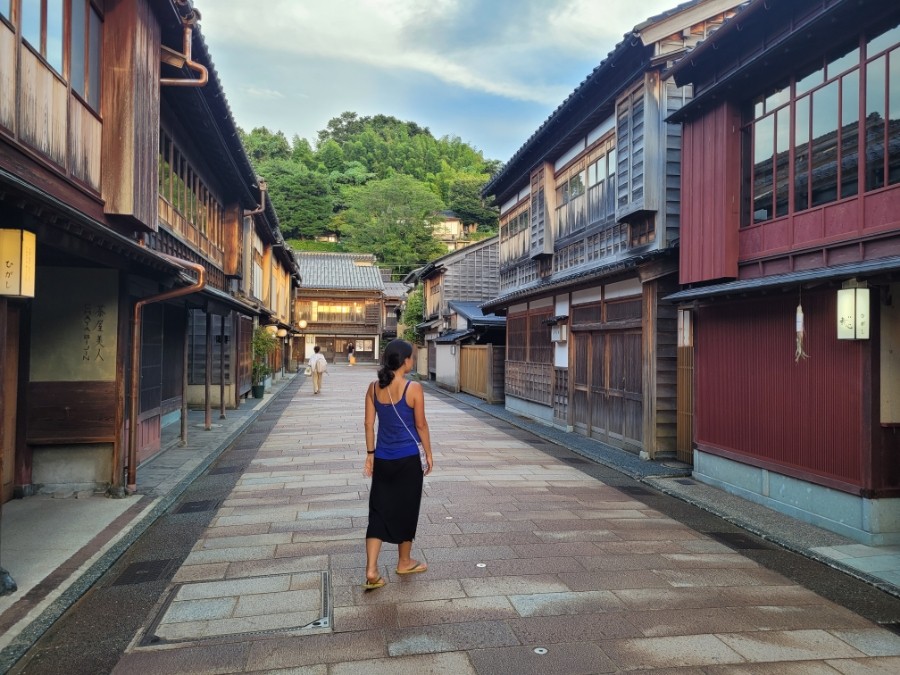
(225, 469)
(894, 627)
(298, 603)
(197, 507)
(738, 541)
(575, 460)
(634, 490)
(141, 572)
(685, 481)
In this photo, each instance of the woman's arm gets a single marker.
(370, 432)
(417, 394)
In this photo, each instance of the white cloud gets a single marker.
(261, 92)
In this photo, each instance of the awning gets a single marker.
(453, 336)
(845, 271)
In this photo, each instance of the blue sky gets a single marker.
(488, 71)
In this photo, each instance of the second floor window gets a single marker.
(84, 63)
(810, 129)
(42, 27)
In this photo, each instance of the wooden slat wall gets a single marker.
(530, 381)
(473, 370)
(131, 103)
(197, 353)
(7, 78)
(64, 413)
(85, 132)
(42, 108)
(710, 201)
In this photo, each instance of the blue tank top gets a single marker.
(394, 441)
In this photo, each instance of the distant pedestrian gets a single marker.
(319, 367)
(351, 354)
(394, 462)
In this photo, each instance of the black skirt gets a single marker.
(394, 499)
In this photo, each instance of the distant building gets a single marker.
(452, 232)
(341, 299)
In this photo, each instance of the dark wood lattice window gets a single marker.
(516, 337)
(540, 348)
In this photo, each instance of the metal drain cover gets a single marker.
(297, 603)
(574, 460)
(197, 507)
(141, 572)
(738, 540)
(634, 490)
(685, 481)
(225, 469)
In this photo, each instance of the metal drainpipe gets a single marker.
(171, 56)
(131, 484)
(263, 188)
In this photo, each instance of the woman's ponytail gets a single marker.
(394, 355)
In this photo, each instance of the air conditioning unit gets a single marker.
(559, 333)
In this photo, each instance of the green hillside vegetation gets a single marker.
(375, 184)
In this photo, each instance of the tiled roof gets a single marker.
(473, 313)
(394, 289)
(346, 271)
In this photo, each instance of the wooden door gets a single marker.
(581, 386)
(10, 389)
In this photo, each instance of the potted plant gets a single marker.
(263, 344)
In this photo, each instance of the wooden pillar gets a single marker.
(207, 380)
(184, 377)
(222, 367)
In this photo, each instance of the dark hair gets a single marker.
(316, 349)
(394, 355)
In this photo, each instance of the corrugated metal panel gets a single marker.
(709, 206)
(754, 400)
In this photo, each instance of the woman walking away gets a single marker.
(393, 462)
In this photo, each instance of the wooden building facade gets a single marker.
(341, 301)
(589, 228)
(127, 169)
(791, 203)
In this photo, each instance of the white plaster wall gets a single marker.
(197, 395)
(446, 372)
(71, 467)
(561, 349)
(530, 409)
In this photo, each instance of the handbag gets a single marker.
(307, 371)
(422, 459)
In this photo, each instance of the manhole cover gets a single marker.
(197, 507)
(141, 572)
(685, 481)
(277, 603)
(634, 490)
(738, 541)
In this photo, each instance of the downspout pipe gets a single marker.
(263, 188)
(183, 60)
(131, 484)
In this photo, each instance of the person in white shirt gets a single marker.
(319, 367)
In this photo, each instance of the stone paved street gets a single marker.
(525, 550)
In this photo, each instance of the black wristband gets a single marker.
(370, 452)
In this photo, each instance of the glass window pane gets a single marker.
(763, 147)
(777, 99)
(875, 112)
(842, 60)
(801, 154)
(76, 53)
(782, 160)
(807, 82)
(849, 133)
(30, 20)
(824, 141)
(54, 53)
(882, 41)
(95, 37)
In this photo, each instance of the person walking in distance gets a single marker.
(319, 367)
(393, 462)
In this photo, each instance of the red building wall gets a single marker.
(755, 404)
(710, 199)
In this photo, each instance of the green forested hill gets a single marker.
(375, 183)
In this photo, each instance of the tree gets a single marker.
(330, 156)
(393, 218)
(464, 199)
(262, 145)
(302, 198)
(413, 314)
